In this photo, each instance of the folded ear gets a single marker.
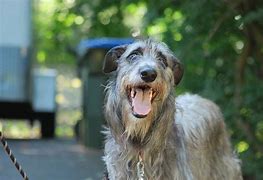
(110, 61)
(178, 70)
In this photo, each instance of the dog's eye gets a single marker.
(162, 59)
(134, 55)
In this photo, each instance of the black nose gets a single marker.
(148, 74)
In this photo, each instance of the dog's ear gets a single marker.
(178, 70)
(110, 61)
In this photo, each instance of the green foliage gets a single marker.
(220, 43)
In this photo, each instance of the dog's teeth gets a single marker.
(151, 93)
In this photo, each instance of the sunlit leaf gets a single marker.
(242, 146)
(75, 83)
(41, 56)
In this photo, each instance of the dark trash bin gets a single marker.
(91, 53)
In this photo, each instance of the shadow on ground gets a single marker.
(56, 159)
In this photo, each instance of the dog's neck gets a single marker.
(155, 147)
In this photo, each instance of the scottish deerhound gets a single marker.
(153, 136)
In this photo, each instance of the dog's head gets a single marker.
(146, 72)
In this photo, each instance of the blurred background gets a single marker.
(51, 52)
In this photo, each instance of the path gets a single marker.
(51, 160)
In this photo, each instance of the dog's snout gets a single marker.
(148, 74)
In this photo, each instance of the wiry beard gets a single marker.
(140, 132)
(136, 130)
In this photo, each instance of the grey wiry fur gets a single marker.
(180, 139)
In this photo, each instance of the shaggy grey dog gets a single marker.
(152, 134)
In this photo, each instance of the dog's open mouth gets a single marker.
(141, 98)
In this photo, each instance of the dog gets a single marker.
(153, 135)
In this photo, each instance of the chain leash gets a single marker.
(140, 169)
(12, 157)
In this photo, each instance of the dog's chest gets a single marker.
(149, 167)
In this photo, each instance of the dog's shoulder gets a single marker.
(197, 115)
(197, 103)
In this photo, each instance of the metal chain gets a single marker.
(140, 169)
(12, 157)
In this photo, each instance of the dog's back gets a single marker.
(207, 142)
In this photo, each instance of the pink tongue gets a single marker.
(141, 103)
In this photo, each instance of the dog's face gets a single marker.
(146, 72)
